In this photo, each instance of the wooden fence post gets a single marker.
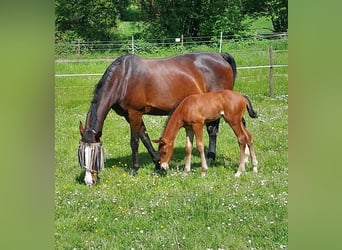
(271, 71)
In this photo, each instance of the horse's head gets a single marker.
(90, 154)
(165, 151)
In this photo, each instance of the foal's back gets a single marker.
(210, 106)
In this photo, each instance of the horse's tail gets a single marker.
(252, 113)
(230, 59)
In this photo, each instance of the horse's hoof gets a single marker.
(210, 158)
(134, 172)
(160, 172)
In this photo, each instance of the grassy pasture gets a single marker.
(173, 212)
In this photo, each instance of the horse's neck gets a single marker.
(96, 117)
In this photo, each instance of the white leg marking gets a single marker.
(164, 166)
(247, 154)
(255, 166)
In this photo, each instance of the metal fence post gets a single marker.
(220, 43)
(182, 44)
(78, 48)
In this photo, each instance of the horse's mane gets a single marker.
(106, 77)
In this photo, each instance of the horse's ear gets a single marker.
(98, 134)
(81, 128)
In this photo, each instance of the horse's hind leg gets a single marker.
(212, 129)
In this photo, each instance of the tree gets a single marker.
(276, 10)
(191, 17)
(86, 19)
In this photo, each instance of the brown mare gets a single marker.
(193, 112)
(133, 86)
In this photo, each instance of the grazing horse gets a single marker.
(133, 86)
(193, 112)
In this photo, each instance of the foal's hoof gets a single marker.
(238, 173)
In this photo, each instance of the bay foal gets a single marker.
(193, 112)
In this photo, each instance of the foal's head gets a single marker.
(90, 154)
(165, 151)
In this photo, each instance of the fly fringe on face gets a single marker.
(96, 156)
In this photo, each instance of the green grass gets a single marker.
(173, 212)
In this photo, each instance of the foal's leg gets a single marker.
(198, 129)
(212, 129)
(252, 152)
(239, 131)
(247, 152)
(188, 150)
(244, 139)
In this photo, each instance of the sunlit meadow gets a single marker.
(218, 211)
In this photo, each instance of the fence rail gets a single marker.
(133, 45)
(147, 45)
(100, 74)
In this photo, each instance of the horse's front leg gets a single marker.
(147, 143)
(212, 129)
(135, 122)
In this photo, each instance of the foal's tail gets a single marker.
(252, 113)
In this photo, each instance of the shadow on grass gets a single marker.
(177, 162)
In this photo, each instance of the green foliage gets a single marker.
(276, 10)
(91, 20)
(98, 20)
(191, 18)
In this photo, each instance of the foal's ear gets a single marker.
(81, 129)
(157, 140)
(161, 141)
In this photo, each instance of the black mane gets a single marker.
(104, 79)
(106, 75)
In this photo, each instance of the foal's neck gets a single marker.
(173, 125)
